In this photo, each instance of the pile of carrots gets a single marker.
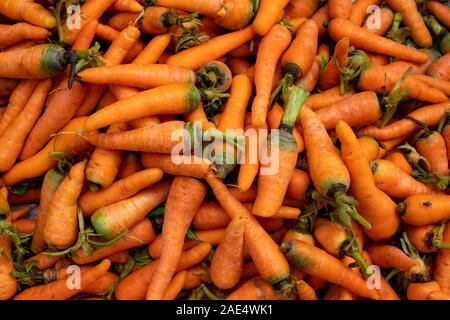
(359, 203)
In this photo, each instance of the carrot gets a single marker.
(377, 78)
(29, 11)
(340, 28)
(8, 284)
(174, 230)
(317, 262)
(298, 8)
(270, 50)
(440, 11)
(304, 291)
(235, 14)
(110, 221)
(13, 34)
(385, 221)
(122, 20)
(413, 20)
(61, 224)
(446, 136)
(226, 265)
(139, 235)
(122, 189)
(175, 286)
(61, 107)
(195, 277)
(441, 85)
(156, 139)
(360, 9)
(120, 257)
(441, 271)
(38, 62)
(169, 99)
(127, 5)
(18, 213)
(331, 74)
(340, 9)
(325, 98)
(208, 8)
(135, 75)
(439, 68)
(430, 115)
(210, 215)
(396, 183)
(5, 208)
(213, 49)
(59, 290)
(238, 66)
(234, 113)
(7, 86)
(90, 10)
(268, 15)
(272, 186)
(387, 256)
(369, 147)
(298, 185)
(420, 210)
(438, 295)
(15, 134)
(357, 110)
(25, 226)
(134, 286)
(399, 160)
(386, 16)
(254, 289)
(102, 286)
(255, 237)
(432, 147)
(189, 166)
(321, 17)
(421, 290)
(43, 261)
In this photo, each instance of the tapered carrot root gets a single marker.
(177, 165)
(420, 210)
(387, 256)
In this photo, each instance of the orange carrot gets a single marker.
(304, 291)
(387, 256)
(420, 210)
(340, 9)
(359, 10)
(440, 11)
(43, 261)
(13, 34)
(340, 28)
(254, 289)
(386, 17)
(8, 284)
(369, 147)
(174, 230)
(110, 221)
(421, 290)
(441, 85)
(331, 74)
(299, 8)
(432, 147)
(127, 5)
(441, 271)
(268, 14)
(25, 226)
(189, 166)
(399, 160)
(226, 265)
(29, 11)
(208, 8)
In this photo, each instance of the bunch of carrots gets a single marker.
(347, 101)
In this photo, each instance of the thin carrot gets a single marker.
(25, 226)
(8, 284)
(43, 261)
(14, 136)
(369, 147)
(238, 66)
(429, 115)
(272, 46)
(122, 189)
(18, 213)
(340, 28)
(210, 215)
(213, 49)
(304, 291)
(189, 166)
(254, 289)
(13, 34)
(127, 5)
(195, 277)
(110, 221)
(141, 234)
(386, 291)
(102, 285)
(420, 210)
(59, 290)
(185, 197)
(29, 11)
(440, 11)
(441, 85)
(226, 265)
(322, 17)
(175, 286)
(421, 290)
(120, 257)
(396, 183)
(61, 223)
(268, 14)
(208, 8)
(317, 262)
(431, 145)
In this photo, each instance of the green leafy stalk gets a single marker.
(295, 99)
(357, 62)
(396, 33)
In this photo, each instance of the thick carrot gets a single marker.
(175, 286)
(396, 183)
(299, 8)
(387, 256)
(14, 136)
(59, 290)
(420, 210)
(226, 265)
(122, 189)
(157, 139)
(8, 284)
(386, 291)
(413, 20)
(340, 9)
(381, 26)
(317, 262)
(268, 14)
(110, 221)
(141, 234)
(373, 204)
(432, 147)
(304, 291)
(331, 74)
(189, 166)
(61, 225)
(369, 147)
(185, 197)
(440, 11)
(272, 46)
(134, 286)
(210, 215)
(169, 99)
(61, 107)
(254, 289)
(359, 10)
(261, 247)
(429, 115)
(421, 290)
(357, 110)
(13, 34)
(29, 11)
(399, 160)
(442, 267)
(213, 49)
(340, 28)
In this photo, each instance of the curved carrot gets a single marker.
(110, 221)
(422, 209)
(127, 5)
(299, 8)
(359, 10)
(254, 289)
(13, 34)
(421, 290)
(441, 85)
(432, 147)
(387, 256)
(268, 14)
(439, 68)
(340, 28)
(29, 11)
(25, 226)
(208, 7)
